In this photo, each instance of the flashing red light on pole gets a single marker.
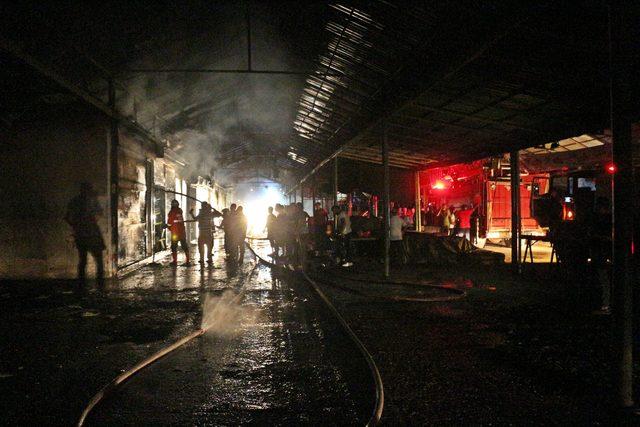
(612, 168)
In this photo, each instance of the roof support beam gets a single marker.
(447, 75)
(107, 108)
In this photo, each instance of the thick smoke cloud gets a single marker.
(216, 119)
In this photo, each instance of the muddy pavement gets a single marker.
(277, 359)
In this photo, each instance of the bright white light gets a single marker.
(256, 210)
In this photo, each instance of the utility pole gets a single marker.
(335, 191)
(387, 201)
(113, 176)
(418, 202)
(620, 23)
(514, 160)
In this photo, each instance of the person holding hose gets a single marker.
(175, 223)
(205, 230)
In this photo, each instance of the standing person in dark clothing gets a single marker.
(175, 223)
(271, 231)
(301, 231)
(81, 216)
(225, 217)
(239, 234)
(279, 233)
(320, 219)
(228, 224)
(205, 230)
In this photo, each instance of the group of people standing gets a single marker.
(234, 224)
(292, 232)
(288, 229)
(462, 221)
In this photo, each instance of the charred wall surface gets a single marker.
(42, 168)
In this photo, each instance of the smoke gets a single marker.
(225, 316)
(215, 120)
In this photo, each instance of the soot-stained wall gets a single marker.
(42, 167)
(134, 181)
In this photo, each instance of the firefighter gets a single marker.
(81, 216)
(175, 223)
(205, 230)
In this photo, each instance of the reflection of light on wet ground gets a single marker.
(275, 366)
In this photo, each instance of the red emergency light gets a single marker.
(612, 168)
(567, 212)
(439, 185)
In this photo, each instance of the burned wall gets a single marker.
(134, 181)
(42, 168)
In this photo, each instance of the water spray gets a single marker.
(122, 378)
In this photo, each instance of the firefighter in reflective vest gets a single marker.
(175, 223)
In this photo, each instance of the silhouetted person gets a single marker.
(320, 219)
(223, 225)
(239, 234)
(82, 213)
(271, 230)
(205, 230)
(175, 222)
(228, 223)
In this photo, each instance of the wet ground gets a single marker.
(504, 350)
(514, 351)
(273, 356)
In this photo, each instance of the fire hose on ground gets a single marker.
(379, 403)
(122, 378)
(458, 293)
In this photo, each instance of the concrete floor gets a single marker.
(541, 252)
(515, 350)
(521, 350)
(275, 357)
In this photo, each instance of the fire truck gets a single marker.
(486, 184)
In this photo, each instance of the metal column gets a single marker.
(418, 202)
(620, 22)
(335, 191)
(386, 201)
(313, 196)
(514, 160)
(302, 196)
(335, 181)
